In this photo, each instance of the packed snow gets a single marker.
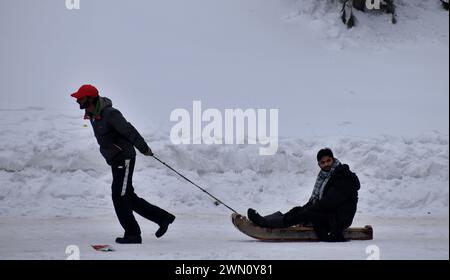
(53, 166)
(376, 94)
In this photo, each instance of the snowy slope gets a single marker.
(50, 165)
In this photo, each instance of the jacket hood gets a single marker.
(102, 103)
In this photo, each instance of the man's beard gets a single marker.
(84, 105)
(326, 169)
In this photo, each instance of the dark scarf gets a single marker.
(321, 181)
(102, 102)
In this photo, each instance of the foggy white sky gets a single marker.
(151, 57)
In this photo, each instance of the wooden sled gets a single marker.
(295, 233)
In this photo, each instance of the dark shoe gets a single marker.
(337, 237)
(334, 237)
(164, 225)
(275, 220)
(131, 239)
(255, 218)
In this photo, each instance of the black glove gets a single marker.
(149, 152)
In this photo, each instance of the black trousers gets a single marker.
(323, 223)
(304, 215)
(126, 201)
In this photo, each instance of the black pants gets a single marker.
(303, 216)
(126, 201)
(324, 224)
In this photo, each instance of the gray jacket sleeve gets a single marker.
(126, 129)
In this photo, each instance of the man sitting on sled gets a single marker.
(332, 205)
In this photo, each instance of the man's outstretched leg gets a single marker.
(147, 210)
(274, 220)
(153, 213)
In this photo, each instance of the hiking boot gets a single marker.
(255, 218)
(336, 237)
(131, 239)
(164, 225)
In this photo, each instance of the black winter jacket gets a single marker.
(115, 135)
(340, 197)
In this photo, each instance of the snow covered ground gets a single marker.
(376, 94)
(212, 236)
(55, 193)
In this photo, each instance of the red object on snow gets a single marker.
(103, 248)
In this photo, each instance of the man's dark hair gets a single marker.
(324, 152)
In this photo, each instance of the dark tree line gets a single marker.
(349, 18)
(387, 6)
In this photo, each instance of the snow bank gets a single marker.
(50, 166)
